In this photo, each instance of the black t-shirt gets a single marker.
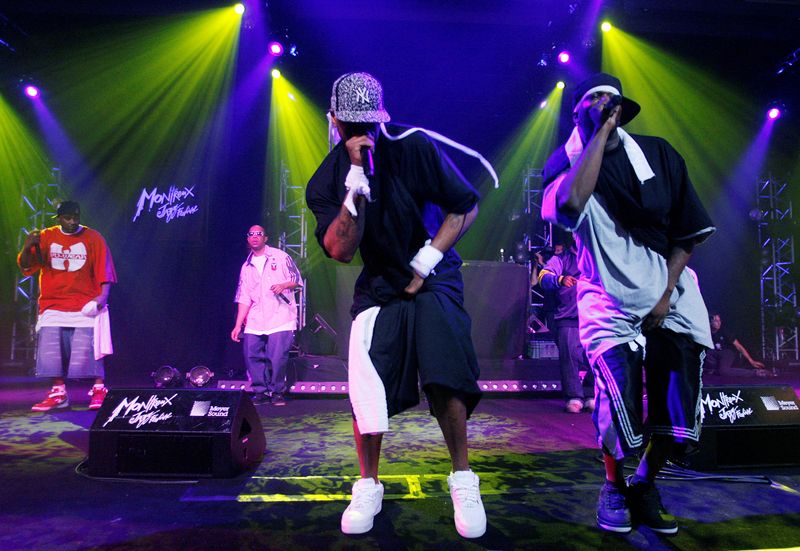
(414, 186)
(662, 211)
(722, 340)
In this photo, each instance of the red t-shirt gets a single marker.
(75, 265)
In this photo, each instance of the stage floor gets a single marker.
(539, 467)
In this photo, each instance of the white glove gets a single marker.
(356, 184)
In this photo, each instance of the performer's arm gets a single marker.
(241, 315)
(345, 232)
(26, 260)
(102, 298)
(451, 230)
(678, 258)
(744, 352)
(580, 181)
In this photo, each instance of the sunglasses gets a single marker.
(252, 233)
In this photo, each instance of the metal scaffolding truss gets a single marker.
(541, 232)
(39, 204)
(294, 231)
(779, 339)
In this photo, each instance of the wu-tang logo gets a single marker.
(69, 259)
(362, 95)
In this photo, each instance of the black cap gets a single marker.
(68, 207)
(629, 107)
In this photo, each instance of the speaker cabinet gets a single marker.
(748, 426)
(175, 433)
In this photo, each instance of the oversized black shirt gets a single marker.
(413, 188)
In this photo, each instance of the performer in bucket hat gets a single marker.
(636, 218)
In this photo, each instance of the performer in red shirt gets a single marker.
(75, 275)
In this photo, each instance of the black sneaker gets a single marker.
(260, 399)
(647, 510)
(277, 400)
(612, 512)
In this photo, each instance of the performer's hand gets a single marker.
(102, 301)
(33, 238)
(568, 281)
(415, 285)
(354, 146)
(756, 364)
(278, 288)
(235, 333)
(599, 115)
(656, 316)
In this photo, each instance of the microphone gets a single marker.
(615, 100)
(283, 298)
(39, 256)
(366, 161)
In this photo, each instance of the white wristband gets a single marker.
(426, 259)
(356, 184)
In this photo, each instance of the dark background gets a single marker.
(466, 69)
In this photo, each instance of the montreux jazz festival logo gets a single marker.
(175, 203)
(140, 413)
(726, 406)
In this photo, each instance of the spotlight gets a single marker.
(543, 104)
(756, 214)
(166, 376)
(31, 91)
(560, 85)
(606, 26)
(239, 8)
(200, 375)
(563, 57)
(293, 51)
(276, 73)
(774, 113)
(275, 48)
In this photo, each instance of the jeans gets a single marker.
(571, 359)
(266, 358)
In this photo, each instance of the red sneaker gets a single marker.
(98, 394)
(56, 399)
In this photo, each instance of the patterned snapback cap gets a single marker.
(358, 97)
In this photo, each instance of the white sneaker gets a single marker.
(466, 494)
(364, 505)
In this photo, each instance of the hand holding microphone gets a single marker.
(609, 106)
(366, 161)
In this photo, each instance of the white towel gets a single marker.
(102, 329)
(574, 148)
(367, 393)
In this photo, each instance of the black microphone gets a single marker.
(366, 161)
(283, 298)
(615, 100)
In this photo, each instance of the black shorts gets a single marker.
(426, 339)
(671, 364)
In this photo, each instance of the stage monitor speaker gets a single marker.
(496, 296)
(194, 433)
(747, 426)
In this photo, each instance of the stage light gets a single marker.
(275, 48)
(200, 376)
(563, 57)
(166, 376)
(276, 73)
(543, 104)
(31, 91)
(560, 85)
(606, 26)
(774, 113)
(239, 8)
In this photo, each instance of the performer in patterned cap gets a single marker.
(636, 219)
(409, 321)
